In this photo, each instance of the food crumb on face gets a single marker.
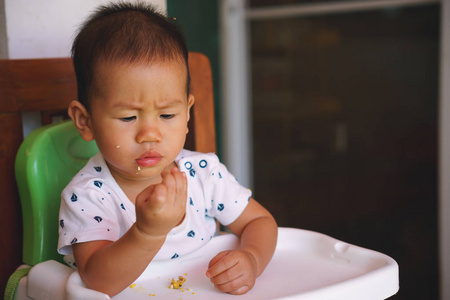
(118, 146)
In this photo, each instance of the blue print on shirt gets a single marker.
(191, 202)
(61, 223)
(74, 241)
(74, 198)
(220, 207)
(191, 233)
(98, 184)
(122, 206)
(98, 219)
(174, 256)
(98, 169)
(188, 166)
(220, 175)
(203, 163)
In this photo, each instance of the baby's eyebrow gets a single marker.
(126, 105)
(169, 103)
(139, 105)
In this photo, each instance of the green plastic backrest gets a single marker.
(46, 161)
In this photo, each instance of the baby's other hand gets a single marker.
(161, 207)
(233, 272)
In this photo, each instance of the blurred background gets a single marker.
(329, 110)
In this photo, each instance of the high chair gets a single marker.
(306, 265)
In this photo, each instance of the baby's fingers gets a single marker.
(176, 184)
(152, 198)
(220, 263)
(233, 279)
(181, 185)
(232, 272)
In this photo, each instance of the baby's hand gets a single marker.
(161, 207)
(233, 272)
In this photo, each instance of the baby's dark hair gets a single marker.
(124, 33)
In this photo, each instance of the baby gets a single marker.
(143, 197)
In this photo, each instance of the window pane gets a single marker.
(345, 131)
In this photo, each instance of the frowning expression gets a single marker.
(139, 115)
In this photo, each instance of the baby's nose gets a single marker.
(149, 133)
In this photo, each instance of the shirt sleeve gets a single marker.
(86, 214)
(225, 197)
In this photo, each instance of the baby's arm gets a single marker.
(110, 267)
(235, 271)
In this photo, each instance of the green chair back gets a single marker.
(46, 161)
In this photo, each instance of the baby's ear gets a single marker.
(82, 119)
(191, 101)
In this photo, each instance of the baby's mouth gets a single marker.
(149, 159)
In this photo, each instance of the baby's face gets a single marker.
(139, 116)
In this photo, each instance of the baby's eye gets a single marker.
(167, 116)
(128, 119)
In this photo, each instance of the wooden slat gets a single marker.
(36, 84)
(10, 213)
(203, 110)
(8, 102)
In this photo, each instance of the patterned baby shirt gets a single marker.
(94, 207)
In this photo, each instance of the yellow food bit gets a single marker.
(133, 285)
(177, 284)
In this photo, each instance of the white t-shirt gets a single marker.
(94, 207)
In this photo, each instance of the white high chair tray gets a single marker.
(306, 265)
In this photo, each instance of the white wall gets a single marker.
(46, 28)
(3, 46)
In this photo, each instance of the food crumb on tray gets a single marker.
(177, 284)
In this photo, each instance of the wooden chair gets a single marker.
(47, 86)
